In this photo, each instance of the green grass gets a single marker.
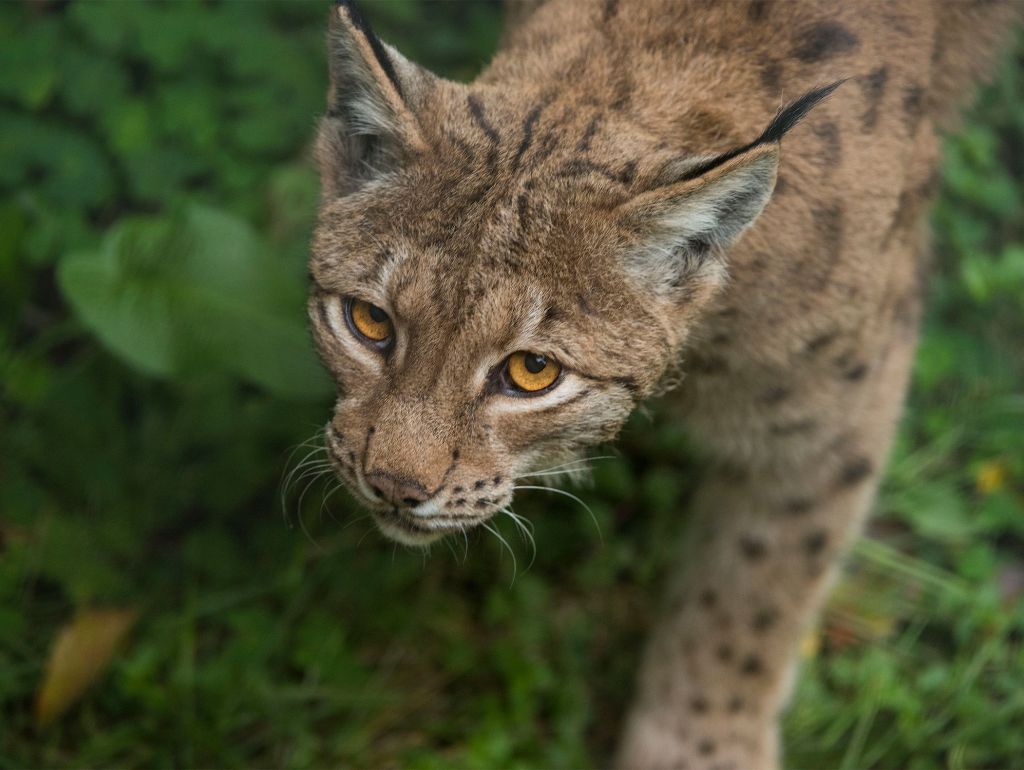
(146, 481)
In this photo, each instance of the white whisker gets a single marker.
(525, 527)
(571, 496)
(504, 542)
(577, 461)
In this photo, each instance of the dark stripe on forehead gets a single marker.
(588, 135)
(523, 211)
(476, 109)
(528, 126)
(579, 168)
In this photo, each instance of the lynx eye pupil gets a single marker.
(534, 363)
(369, 323)
(530, 373)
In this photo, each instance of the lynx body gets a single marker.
(606, 198)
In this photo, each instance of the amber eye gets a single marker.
(369, 321)
(532, 372)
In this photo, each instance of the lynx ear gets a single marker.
(371, 126)
(699, 207)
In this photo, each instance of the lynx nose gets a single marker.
(397, 490)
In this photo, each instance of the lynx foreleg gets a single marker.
(765, 538)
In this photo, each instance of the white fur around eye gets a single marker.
(564, 391)
(334, 313)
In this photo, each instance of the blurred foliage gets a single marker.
(155, 204)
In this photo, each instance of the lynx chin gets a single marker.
(502, 270)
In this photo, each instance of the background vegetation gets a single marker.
(154, 371)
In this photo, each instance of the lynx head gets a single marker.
(500, 273)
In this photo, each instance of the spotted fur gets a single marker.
(731, 190)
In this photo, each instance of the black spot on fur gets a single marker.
(627, 173)
(611, 7)
(855, 372)
(479, 484)
(460, 501)
(724, 653)
(711, 124)
(794, 428)
(798, 506)
(497, 480)
(757, 10)
(753, 548)
(764, 619)
(855, 471)
(771, 76)
(873, 85)
(828, 222)
(455, 454)
(708, 364)
(751, 666)
(821, 341)
(735, 704)
(622, 91)
(483, 502)
(825, 40)
(831, 151)
(775, 395)
(699, 705)
(458, 490)
(706, 747)
(588, 135)
(707, 598)
(913, 108)
(815, 542)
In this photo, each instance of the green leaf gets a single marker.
(193, 294)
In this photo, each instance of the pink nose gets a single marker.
(397, 490)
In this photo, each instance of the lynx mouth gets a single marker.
(412, 530)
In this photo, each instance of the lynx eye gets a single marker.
(368, 322)
(531, 372)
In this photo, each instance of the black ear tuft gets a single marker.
(379, 52)
(794, 112)
(783, 121)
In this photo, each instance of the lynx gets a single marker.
(503, 269)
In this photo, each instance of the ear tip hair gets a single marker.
(791, 114)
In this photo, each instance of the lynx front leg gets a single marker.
(764, 540)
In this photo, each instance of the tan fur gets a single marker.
(546, 207)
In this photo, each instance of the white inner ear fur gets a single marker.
(687, 232)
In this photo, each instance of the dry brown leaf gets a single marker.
(80, 654)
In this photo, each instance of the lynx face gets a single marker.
(499, 277)
(459, 371)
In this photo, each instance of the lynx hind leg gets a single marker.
(764, 540)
